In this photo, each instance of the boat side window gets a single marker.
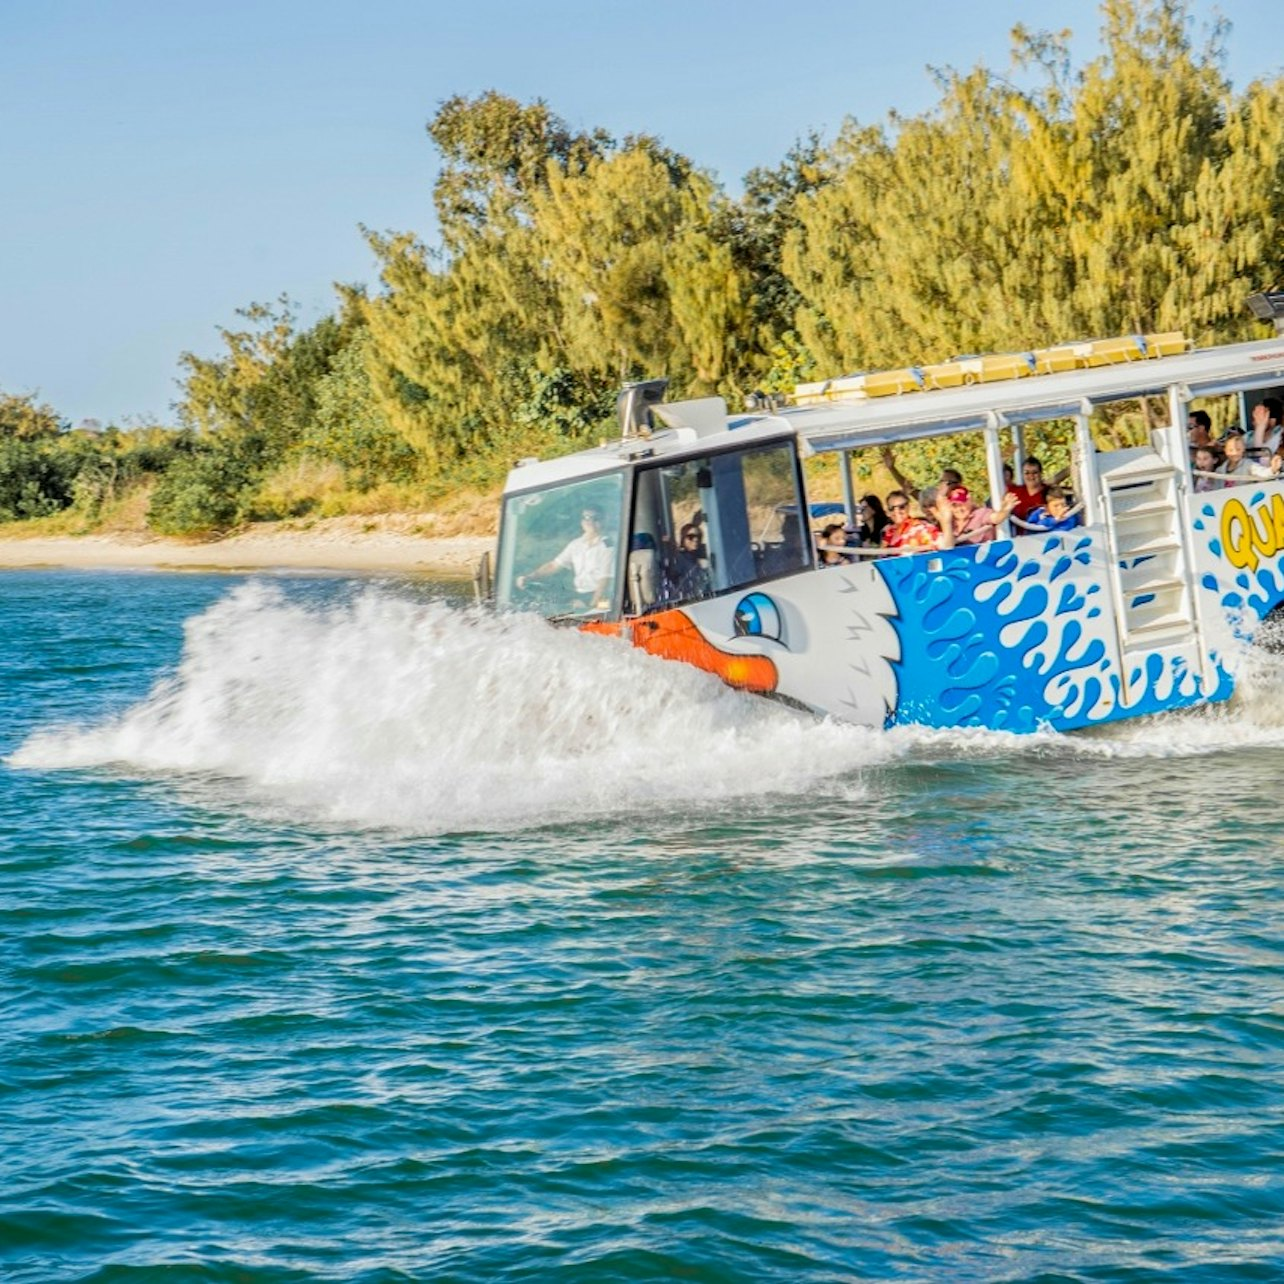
(559, 548)
(714, 523)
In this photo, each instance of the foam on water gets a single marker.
(380, 710)
(1012, 1012)
(386, 711)
(1254, 717)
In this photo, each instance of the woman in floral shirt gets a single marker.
(909, 534)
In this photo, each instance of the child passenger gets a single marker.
(832, 539)
(1054, 514)
(1205, 462)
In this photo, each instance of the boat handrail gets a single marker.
(858, 550)
(1046, 530)
(1237, 479)
(962, 542)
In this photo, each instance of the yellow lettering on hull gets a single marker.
(1250, 538)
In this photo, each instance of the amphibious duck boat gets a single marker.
(1140, 608)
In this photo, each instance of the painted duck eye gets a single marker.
(757, 616)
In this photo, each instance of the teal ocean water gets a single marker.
(349, 934)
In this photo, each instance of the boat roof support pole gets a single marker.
(994, 461)
(1177, 442)
(1085, 456)
(1018, 454)
(1176, 448)
(849, 494)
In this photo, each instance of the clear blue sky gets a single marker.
(163, 163)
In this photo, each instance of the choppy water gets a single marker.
(347, 934)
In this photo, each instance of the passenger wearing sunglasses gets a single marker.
(908, 534)
(686, 576)
(588, 557)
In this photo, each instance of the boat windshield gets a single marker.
(559, 548)
(714, 523)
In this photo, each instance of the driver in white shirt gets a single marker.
(589, 558)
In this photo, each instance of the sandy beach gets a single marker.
(376, 544)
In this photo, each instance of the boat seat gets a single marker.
(642, 572)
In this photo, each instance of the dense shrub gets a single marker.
(36, 478)
(200, 491)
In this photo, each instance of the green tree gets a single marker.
(1232, 240)
(754, 229)
(23, 419)
(36, 479)
(1135, 195)
(263, 387)
(348, 425)
(224, 394)
(253, 408)
(1145, 119)
(497, 154)
(643, 287)
(453, 330)
(202, 490)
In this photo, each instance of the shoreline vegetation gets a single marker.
(445, 544)
(387, 544)
(1139, 193)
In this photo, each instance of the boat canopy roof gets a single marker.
(853, 423)
(844, 422)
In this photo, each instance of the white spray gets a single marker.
(384, 711)
(381, 710)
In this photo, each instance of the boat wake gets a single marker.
(380, 710)
(1252, 718)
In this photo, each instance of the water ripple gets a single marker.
(961, 1009)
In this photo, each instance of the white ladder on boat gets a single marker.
(1150, 562)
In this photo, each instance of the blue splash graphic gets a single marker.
(990, 638)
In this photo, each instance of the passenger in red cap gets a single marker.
(975, 523)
